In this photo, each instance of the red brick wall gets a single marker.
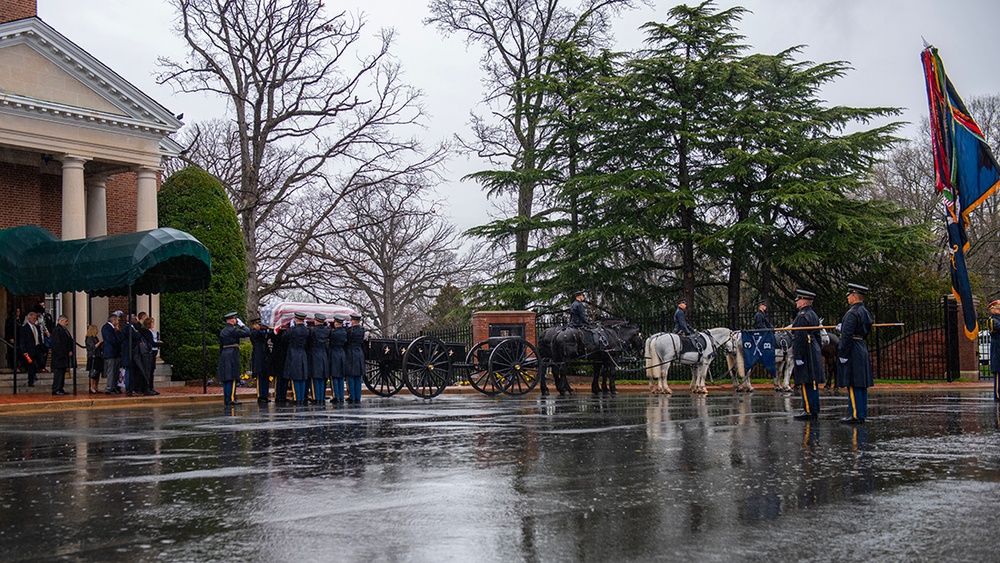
(11, 10)
(121, 196)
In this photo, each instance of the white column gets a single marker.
(146, 218)
(74, 226)
(97, 226)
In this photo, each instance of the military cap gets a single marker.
(232, 315)
(355, 316)
(320, 317)
(682, 300)
(762, 302)
(579, 292)
(299, 315)
(255, 320)
(995, 304)
(855, 288)
(803, 294)
(339, 317)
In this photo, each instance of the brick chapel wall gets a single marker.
(11, 10)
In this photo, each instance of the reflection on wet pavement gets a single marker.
(472, 478)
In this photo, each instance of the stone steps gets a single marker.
(43, 382)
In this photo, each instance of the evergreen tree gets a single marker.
(194, 201)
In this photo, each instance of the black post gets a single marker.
(128, 322)
(73, 340)
(204, 360)
(17, 332)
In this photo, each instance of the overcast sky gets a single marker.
(881, 39)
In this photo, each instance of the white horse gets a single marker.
(784, 359)
(664, 348)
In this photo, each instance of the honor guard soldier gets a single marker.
(319, 357)
(338, 358)
(296, 359)
(808, 369)
(355, 367)
(276, 367)
(760, 320)
(681, 324)
(578, 312)
(260, 358)
(229, 356)
(854, 370)
(993, 325)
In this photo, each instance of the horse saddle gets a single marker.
(594, 336)
(693, 343)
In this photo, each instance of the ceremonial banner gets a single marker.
(966, 173)
(758, 346)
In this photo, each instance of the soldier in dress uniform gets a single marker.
(319, 357)
(260, 358)
(296, 360)
(355, 367)
(760, 320)
(681, 324)
(578, 312)
(229, 356)
(993, 325)
(808, 369)
(279, 351)
(338, 358)
(854, 369)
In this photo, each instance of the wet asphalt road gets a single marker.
(472, 478)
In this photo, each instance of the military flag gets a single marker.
(966, 173)
(758, 346)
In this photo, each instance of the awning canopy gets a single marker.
(34, 261)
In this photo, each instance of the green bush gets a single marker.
(187, 361)
(195, 202)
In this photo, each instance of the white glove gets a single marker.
(800, 362)
(842, 360)
(239, 322)
(838, 327)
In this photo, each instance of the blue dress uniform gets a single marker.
(808, 370)
(319, 357)
(993, 325)
(681, 324)
(279, 350)
(338, 358)
(260, 360)
(578, 312)
(760, 320)
(229, 358)
(296, 360)
(355, 366)
(854, 369)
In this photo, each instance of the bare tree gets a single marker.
(389, 254)
(519, 37)
(312, 120)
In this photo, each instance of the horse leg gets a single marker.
(609, 375)
(542, 368)
(595, 386)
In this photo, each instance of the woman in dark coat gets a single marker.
(296, 360)
(993, 325)
(95, 361)
(319, 357)
(62, 354)
(338, 358)
(355, 367)
(148, 353)
(229, 357)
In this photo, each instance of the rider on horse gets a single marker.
(579, 320)
(684, 328)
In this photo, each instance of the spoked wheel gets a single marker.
(514, 366)
(382, 379)
(479, 370)
(425, 367)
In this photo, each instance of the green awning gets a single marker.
(34, 261)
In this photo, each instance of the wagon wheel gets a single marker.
(479, 374)
(514, 366)
(382, 379)
(426, 367)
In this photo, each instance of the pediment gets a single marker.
(38, 64)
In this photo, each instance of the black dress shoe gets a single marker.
(234, 403)
(154, 392)
(852, 420)
(59, 392)
(128, 393)
(806, 416)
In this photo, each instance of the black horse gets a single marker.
(602, 346)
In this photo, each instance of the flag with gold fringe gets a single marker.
(966, 173)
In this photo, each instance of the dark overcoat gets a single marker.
(857, 370)
(229, 352)
(355, 365)
(338, 354)
(259, 354)
(62, 348)
(993, 325)
(806, 349)
(319, 352)
(296, 360)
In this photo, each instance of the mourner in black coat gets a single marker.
(62, 354)
(854, 369)
(808, 369)
(229, 356)
(112, 344)
(29, 346)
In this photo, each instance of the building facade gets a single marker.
(81, 148)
